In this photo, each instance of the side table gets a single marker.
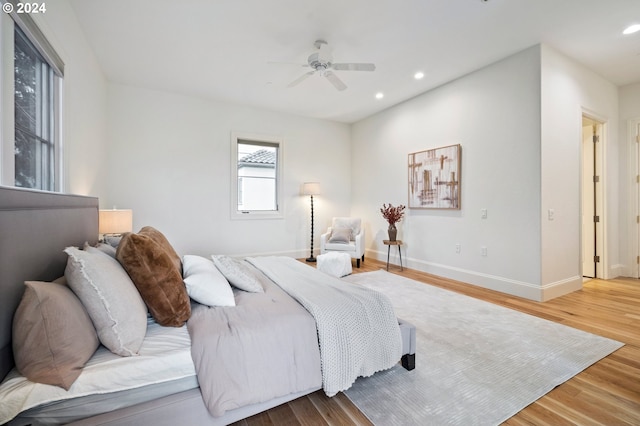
(390, 243)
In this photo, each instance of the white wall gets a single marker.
(494, 113)
(568, 89)
(169, 161)
(629, 98)
(85, 101)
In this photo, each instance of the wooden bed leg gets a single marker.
(409, 361)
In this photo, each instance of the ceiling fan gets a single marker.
(321, 63)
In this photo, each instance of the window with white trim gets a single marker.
(256, 170)
(31, 139)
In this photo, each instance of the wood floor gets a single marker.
(607, 393)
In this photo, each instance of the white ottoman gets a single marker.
(335, 263)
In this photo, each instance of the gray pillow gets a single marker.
(112, 301)
(237, 273)
(340, 235)
(105, 248)
(53, 336)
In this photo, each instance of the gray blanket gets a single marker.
(264, 347)
(357, 328)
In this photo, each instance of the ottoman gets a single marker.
(335, 263)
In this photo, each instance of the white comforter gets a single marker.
(164, 356)
(357, 328)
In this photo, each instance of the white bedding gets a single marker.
(165, 355)
(357, 329)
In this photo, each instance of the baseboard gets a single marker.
(560, 288)
(492, 282)
(621, 270)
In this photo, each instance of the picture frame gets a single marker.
(434, 178)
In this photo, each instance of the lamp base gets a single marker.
(311, 259)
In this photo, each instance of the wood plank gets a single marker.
(330, 410)
(306, 413)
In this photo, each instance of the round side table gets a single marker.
(390, 243)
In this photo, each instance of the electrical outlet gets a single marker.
(551, 214)
(458, 248)
(483, 213)
(483, 251)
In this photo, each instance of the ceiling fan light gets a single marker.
(631, 29)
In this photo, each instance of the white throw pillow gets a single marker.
(110, 298)
(340, 235)
(347, 222)
(237, 273)
(205, 283)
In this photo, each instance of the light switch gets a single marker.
(483, 213)
(551, 214)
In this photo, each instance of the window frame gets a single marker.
(269, 140)
(9, 23)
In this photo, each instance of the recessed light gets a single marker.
(379, 95)
(631, 29)
(418, 75)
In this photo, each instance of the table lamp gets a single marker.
(114, 222)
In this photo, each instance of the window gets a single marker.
(256, 167)
(35, 125)
(31, 145)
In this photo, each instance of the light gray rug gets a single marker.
(476, 363)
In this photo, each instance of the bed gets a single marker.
(36, 227)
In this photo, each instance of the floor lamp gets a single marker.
(311, 188)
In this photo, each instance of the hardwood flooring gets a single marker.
(607, 393)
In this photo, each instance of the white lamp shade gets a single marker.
(311, 188)
(115, 221)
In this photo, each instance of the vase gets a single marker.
(393, 232)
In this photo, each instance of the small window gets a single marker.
(257, 163)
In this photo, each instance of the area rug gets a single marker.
(476, 363)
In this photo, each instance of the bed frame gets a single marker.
(35, 227)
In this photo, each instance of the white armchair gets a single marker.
(344, 236)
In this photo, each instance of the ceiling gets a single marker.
(247, 51)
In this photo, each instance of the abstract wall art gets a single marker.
(434, 178)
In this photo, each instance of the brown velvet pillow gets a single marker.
(154, 272)
(53, 336)
(159, 238)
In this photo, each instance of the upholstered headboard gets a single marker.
(34, 229)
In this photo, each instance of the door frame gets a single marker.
(633, 132)
(602, 269)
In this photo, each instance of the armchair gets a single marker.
(345, 235)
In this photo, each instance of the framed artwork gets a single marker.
(434, 178)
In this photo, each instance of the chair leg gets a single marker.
(358, 263)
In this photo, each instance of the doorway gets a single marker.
(592, 198)
(634, 138)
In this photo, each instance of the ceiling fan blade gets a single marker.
(354, 67)
(337, 83)
(287, 63)
(300, 79)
